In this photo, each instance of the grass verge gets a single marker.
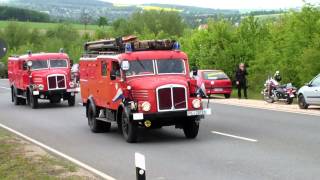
(20, 159)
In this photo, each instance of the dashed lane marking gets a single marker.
(234, 136)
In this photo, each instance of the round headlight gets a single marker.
(41, 87)
(196, 103)
(71, 84)
(146, 106)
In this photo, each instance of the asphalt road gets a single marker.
(279, 145)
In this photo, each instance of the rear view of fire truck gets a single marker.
(139, 84)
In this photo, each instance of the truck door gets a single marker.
(103, 84)
(114, 85)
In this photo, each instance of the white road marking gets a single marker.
(4, 88)
(234, 136)
(77, 162)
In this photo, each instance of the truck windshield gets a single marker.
(144, 67)
(39, 65)
(58, 63)
(163, 66)
(214, 75)
(172, 66)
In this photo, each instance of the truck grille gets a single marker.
(56, 82)
(140, 95)
(171, 98)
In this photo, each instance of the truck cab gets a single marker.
(41, 76)
(139, 84)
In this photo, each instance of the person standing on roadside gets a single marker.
(241, 80)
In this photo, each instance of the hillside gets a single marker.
(73, 9)
(22, 14)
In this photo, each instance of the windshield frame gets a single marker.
(153, 65)
(155, 68)
(39, 68)
(49, 64)
(49, 60)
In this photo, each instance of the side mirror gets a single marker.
(125, 65)
(113, 75)
(29, 64)
(195, 73)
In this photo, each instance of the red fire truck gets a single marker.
(41, 76)
(139, 84)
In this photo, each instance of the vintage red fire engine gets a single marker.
(139, 84)
(41, 76)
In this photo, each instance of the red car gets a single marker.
(216, 82)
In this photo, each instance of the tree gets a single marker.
(85, 18)
(102, 21)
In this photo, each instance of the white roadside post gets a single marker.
(140, 163)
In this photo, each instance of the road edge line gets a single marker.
(54, 151)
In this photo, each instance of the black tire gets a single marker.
(12, 98)
(302, 102)
(227, 96)
(289, 100)
(33, 101)
(129, 129)
(15, 98)
(267, 97)
(191, 127)
(95, 125)
(22, 101)
(72, 100)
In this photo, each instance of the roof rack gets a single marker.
(129, 43)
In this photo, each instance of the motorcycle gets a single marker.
(273, 91)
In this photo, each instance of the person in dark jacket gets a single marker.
(241, 80)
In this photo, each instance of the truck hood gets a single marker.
(153, 82)
(46, 72)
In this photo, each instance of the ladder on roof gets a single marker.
(118, 45)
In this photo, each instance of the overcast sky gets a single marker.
(225, 4)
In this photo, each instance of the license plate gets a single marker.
(218, 89)
(199, 112)
(137, 116)
(36, 93)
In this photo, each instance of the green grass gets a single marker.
(46, 26)
(16, 164)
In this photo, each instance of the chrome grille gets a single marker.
(56, 82)
(172, 98)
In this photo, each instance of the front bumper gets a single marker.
(170, 114)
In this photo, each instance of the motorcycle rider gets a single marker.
(277, 76)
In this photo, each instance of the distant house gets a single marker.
(203, 26)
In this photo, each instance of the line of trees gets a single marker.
(290, 43)
(22, 14)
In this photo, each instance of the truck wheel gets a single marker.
(302, 102)
(72, 100)
(95, 125)
(191, 127)
(129, 129)
(15, 98)
(33, 101)
(227, 96)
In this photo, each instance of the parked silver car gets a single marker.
(310, 93)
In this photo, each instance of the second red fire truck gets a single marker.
(41, 76)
